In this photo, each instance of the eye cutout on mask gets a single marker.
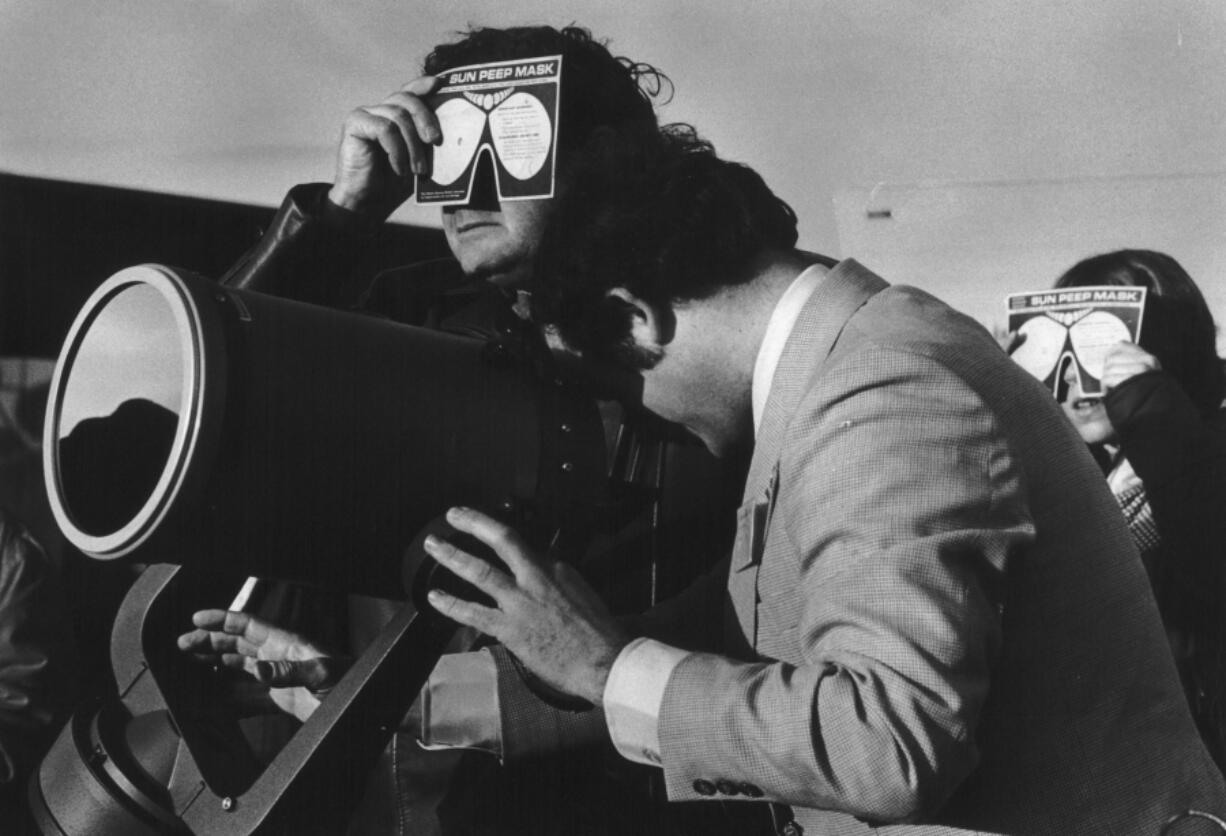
(514, 123)
(464, 127)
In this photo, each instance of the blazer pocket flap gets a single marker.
(751, 519)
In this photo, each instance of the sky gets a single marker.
(132, 351)
(1008, 139)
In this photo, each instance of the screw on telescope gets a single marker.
(227, 804)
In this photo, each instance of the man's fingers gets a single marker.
(417, 114)
(209, 619)
(215, 641)
(465, 612)
(398, 115)
(500, 537)
(244, 624)
(370, 126)
(252, 633)
(476, 571)
(231, 622)
(226, 631)
(236, 661)
(402, 125)
(208, 641)
(195, 642)
(421, 86)
(409, 143)
(412, 98)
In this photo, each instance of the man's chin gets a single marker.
(500, 272)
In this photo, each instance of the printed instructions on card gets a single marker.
(1076, 325)
(505, 113)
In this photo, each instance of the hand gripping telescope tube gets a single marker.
(219, 432)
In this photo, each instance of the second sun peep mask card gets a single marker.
(506, 111)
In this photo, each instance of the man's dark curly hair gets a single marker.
(599, 90)
(670, 222)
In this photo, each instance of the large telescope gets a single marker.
(215, 434)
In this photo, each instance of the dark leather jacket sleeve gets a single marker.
(1159, 429)
(308, 252)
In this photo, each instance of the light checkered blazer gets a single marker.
(937, 610)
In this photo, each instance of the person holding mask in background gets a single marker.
(1159, 432)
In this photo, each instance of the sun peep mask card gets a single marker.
(1073, 326)
(505, 111)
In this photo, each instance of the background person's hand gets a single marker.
(545, 614)
(296, 670)
(382, 147)
(1009, 341)
(1125, 360)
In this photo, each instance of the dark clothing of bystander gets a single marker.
(1176, 510)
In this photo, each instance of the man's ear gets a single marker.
(651, 328)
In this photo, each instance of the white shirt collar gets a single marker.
(778, 329)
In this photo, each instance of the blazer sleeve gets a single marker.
(900, 505)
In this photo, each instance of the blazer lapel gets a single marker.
(847, 287)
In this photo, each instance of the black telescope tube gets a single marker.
(199, 425)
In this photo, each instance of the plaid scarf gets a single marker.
(1140, 517)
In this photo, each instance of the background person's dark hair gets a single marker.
(669, 221)
(1177, 327)
(599, 89)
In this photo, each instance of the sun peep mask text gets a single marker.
(1073, 297)
(515, 73)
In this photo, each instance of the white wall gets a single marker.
(238, 99)
(974, 243)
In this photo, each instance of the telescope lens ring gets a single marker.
(187, 320)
